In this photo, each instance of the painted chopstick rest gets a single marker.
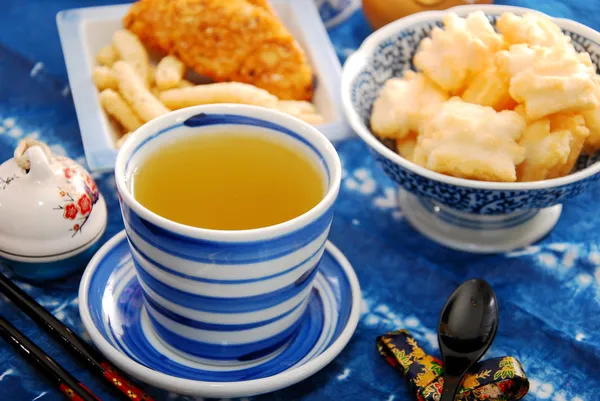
(51, 211)
(495, 379)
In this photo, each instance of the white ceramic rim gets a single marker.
(357, 60)
(222, 389)
(310, 133)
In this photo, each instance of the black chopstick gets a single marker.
(84, 352)
(55, 373)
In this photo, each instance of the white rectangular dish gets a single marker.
(84, 31)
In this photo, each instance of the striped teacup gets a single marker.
(226, 295)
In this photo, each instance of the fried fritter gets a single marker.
(464, 48)
(552, 146)
(592, 121)
(575, 125)
(532, 29)
(404, 104)
(471, 141)
(406, 146)
(544, 150)
(490, 88)
(548, 81)
(233, 40)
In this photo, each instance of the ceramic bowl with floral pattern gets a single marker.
(469, 215)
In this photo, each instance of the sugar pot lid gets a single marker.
(49, 204)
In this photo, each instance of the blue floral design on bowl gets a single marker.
(388, 53)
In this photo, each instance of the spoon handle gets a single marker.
(451, 383)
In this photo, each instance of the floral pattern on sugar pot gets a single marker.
(393, 55)
(49, 205)
(77, 201)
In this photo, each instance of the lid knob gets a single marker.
(39, 165)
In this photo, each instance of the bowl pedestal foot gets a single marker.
(477, 233)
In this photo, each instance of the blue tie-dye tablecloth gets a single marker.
(549, 293)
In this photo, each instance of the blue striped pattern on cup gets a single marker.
(226, 295)
(113, 306)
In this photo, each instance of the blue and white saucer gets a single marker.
(113, 313)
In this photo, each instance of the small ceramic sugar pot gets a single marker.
(51, 213)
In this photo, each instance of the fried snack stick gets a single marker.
(104, 78)
(155, 92)
(169, 73)
(184, 83)
(234, 40)
(312, 119)
(303, 110)
(151, 75)
(118, 108)
(122, 140)
(224, 92)
(296, 107)
(134, 90)
(130, 49)
(107, 56)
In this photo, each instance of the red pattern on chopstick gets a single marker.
(68, 391)
(123, 385)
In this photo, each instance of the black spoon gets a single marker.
(467, 327)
